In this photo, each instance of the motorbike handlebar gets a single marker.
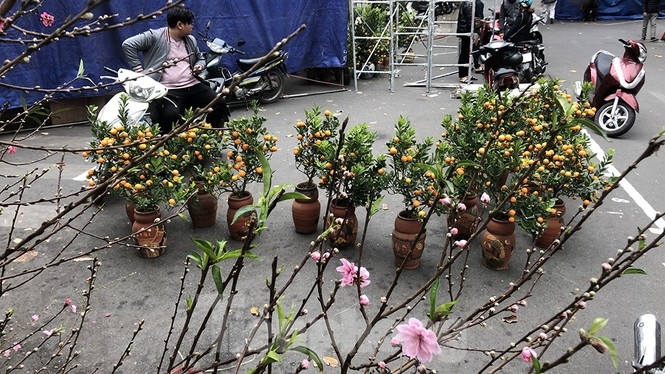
(624, 42)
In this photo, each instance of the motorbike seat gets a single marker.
(603, 62)
(503, 71)
(531, 42)
(246, 63)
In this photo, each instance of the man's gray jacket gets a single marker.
(154, 46)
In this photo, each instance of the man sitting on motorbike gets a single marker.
(172, 57)
(521, 29)
(508, 12)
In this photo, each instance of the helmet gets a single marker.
(526, 3)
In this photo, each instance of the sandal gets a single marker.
(467, 79)
(479, 70)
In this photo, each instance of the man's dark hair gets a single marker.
(179, 14)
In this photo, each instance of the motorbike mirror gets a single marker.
(623, 41)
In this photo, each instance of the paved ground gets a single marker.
(130, 289)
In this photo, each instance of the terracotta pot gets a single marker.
(467, 221)
(405, 248)
(345, 236)
(129, 209)
(202, 208)
(560, 207)
(150, 240)
(554, 225)
(306, 212)
(239, 229)
(497, 242)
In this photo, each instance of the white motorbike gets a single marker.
(647, 343)
(139, 91)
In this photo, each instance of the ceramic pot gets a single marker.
(554, 224)
(497, 242)
(405, 248)
(129, 209)
(345, 235)
(467, 221)
(149, 233)
(202, 208)
(239, 229)
(306, 212)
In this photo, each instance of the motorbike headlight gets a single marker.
(139, 93)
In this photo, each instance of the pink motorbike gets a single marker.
(616, 82)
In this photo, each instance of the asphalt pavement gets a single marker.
(130, 289)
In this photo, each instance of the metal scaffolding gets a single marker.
(425, 28)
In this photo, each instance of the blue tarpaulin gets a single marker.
(573, 10)
(260, 23)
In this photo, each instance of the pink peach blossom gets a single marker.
(47, 19)
(417, 341)
(528, 353)
(351, 274)
(304, 364)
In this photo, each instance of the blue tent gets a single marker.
(260, 23)
(572, 10)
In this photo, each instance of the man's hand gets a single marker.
(197, 68)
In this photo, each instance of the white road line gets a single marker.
(630, 190)
(660, 96)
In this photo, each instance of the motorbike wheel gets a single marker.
(445, 8)
(276, 88)
(620, 123)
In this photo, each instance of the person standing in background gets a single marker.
(549, 7)
(465, 22)
(650, 17)
(508, 12)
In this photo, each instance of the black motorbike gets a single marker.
(502, 60)
(533, 54)
(440, 8)
(266, 83)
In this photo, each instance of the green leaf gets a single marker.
(189, 302)
(596, 326)
(376, 206)
(217, 277)
(280, 315)
(613, 351)
(312, 356)
(292, 195)
(196, 258)
(244, 210)
(273, 356)
(81, 69)
(536, 365)
(267, 172)
(207, 248)
(432, 299)
(444, 309)
(235, 254)
(643, 243)
(632, 270)
(221, 247)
